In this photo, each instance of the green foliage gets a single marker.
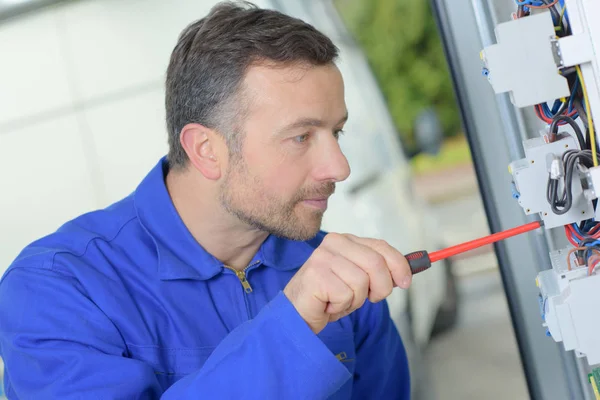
(401, 41)
(454, 152)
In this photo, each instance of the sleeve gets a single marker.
(381, 363)
(56, 343)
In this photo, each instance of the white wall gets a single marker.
(82, 115)
(82, 111)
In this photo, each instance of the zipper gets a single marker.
(343, 357)
(245, 284)
(242, 276)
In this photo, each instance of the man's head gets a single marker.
(255, 104)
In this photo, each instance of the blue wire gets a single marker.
(547, 111)
(587, 227)
(556, 107)
(575, 87)
(589, 250)
(529, 3)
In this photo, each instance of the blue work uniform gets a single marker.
(123, 303)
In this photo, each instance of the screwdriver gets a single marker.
(420, 261)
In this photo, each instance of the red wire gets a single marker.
(570, 237)
(574, 232)
(461, 248)
(591, 268)
(540, 114)
(594, 230)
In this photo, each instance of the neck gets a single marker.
(217, 231)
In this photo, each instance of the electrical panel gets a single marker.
(545, 58)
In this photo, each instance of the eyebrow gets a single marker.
(309, 122)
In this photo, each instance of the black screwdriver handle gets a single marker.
(418, 261)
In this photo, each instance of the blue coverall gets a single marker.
(123, 303)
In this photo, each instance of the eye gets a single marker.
(301, 138)
(338, 133)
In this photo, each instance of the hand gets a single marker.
(341, 274)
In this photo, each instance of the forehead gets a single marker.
(283, 91)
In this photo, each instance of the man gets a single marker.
(212, 280)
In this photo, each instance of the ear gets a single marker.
(200, 145)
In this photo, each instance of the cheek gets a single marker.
(281, 180)
(278, 172)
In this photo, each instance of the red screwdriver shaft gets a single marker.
(420, 261)
(473, 244)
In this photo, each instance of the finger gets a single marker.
(354, 277)
(396, 262)
(339, 295)
(369, 260)
(335, 317)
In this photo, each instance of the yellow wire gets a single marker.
(562, 15)
(589, 116)
(595, 387)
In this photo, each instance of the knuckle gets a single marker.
(381, 243)
(377, 260)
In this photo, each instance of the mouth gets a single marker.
(320, 204)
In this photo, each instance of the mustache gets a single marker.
(322, 191)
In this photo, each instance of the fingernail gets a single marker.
(405, 282)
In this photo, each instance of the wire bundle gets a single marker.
(559, 108)
(524, 8)
(536, 4)
(561, 203)
(586, 242)
(543, 110)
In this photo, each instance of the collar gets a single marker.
(180, 256)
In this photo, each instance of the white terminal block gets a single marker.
(524, 63)
(569, 306)
(531, 173)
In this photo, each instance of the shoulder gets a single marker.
(74, 239)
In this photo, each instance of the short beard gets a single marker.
(281, 219)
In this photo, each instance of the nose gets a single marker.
(333, 165)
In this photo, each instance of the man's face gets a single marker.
(290, 158)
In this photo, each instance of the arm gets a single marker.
(381, 363)
(56, 343)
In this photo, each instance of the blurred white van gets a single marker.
(82, 122)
